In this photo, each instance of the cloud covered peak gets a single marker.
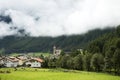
(57, 17)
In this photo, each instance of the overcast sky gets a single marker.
(58, 17)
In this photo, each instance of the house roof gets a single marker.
(13, 59)
(38, 59)
(21, 58)
(35, 59)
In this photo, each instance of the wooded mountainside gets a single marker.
(101, 55)
(45, 44)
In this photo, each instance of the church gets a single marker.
(56, 51)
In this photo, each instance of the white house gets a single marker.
(11, 62)
(34, 62)
(1, 61)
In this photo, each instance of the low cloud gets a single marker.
(57, 17)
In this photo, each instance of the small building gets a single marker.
(1, 61)
(21, 60)
(22, 56)
(11, 62)
(80, 50)
(34, 62)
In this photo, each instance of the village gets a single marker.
(24, 60)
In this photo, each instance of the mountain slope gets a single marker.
(45, 44)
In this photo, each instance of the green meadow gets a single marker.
(53, 74)
(32, 54)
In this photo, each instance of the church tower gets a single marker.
(54, 50)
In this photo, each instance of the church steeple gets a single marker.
(54, 49)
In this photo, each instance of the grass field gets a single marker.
(53, 74)
(37, 54)
(32, 54)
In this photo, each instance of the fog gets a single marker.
(57, 17)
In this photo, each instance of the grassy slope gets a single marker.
(40, 53)
(46, 74)
(35, 54)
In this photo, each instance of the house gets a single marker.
(80, 50)
(34, 62)
(11, 62)
(21, 60)
(22, 56)
(1, 61)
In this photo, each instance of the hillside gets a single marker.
(45, 44)
(106, 44)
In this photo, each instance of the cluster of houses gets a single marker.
(20, 60)
(25, 60)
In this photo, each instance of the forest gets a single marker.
(26, 43)
(101, 55)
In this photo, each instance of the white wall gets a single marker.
(34, 64)
(1, 62)
(11, 64)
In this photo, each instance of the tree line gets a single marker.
(85, 62)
